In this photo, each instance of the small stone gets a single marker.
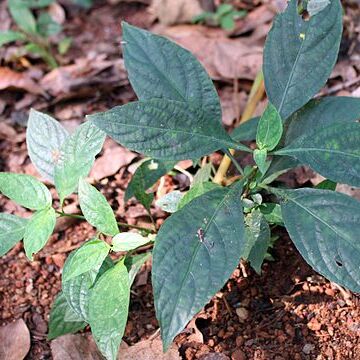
(308, 348)
(239, 341)
(242, 313)
(314, 325)
(238, 355)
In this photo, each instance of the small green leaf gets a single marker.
(196, 190)
(170, 202)
(42, 52)
(279, 165)
(84, 3)
(272, 213)
(332, 156)
(195, 252)
(325, 225)
(46, 26)
(33, 4)
(299, 55)
(146, 176)
(60, 313)
(64, 45)
(89, 256)
(258, 237)
(326, 185)
(270, 129)
(246, 131)
(127, 241)
(134, 263)
(96, 209)
(25, 190)
(23, 16)
(164, 129)
(227, 22)
(10, 36)
(159, 68)
(77, 290)
(38, 230)
(44, 138)
(77, 156)
(260, 156)
(108, 309)
(203, 174)
(12, 230)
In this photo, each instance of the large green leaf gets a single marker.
(196, 190)
(77, 290)
(77, 157)
(38, 230)
(195, 252)
(25, 190)
(23, 16)
(10, 36)
(258, 237)
(44, 138)
(246, 131)
(12, 230)
(325, 227)
(332, 151)
(108, 309)
(127, 241)
(134, 263)
(59, 323)
(319, 113)
(159, 68)
(164, 129)
(299, 55)
(96, 209)
(89, 256)
(146, 176)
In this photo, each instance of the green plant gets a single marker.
(224, 16)
(35, 31)
(178, 117)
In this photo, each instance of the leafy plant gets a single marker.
(178, 117)
(224, 16)
(35, 32)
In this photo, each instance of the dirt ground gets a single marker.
(289, 312)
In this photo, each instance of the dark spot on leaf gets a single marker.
(338, 263)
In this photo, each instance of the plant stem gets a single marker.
(81, 217)
(234, 161)
(256, 93)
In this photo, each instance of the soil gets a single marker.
(287, 312)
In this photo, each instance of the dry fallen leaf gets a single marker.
(113, 158)
(171, 12)
(14, 340)
(149, 350)
(74, 347)
(10, 79)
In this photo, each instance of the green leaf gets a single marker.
(44, 138)
(23, 16)
(325, 225)
(134, 263)
(38, 230)
(227, 22)
(320, 113)
(272, 213)
(46, 26)
(203, 174)
(12, 230)
(146, 176)
(299, 55)
(326, 185)
(270, 129)
(25, 190)
(58, 323)
(108, 309)
(332, 151)
(258, 237)
(170, 202)
(159, 68)
(10, 36)
(195, 252)
(315, 6)
(224, 9)
(77, 156)
(64, 45)
(83, 3)
(89, 256)
(246, 131)
(260, 157)
(196, 190)
(127, 241)
(96, 209)
(33, 4)
(40, 51)
(77, 290)
(163, 129)
(279, 165)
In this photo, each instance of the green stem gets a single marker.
(81, 217)
(233, 160)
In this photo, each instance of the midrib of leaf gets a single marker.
(322, 221)
(199, 244)
(286, 151)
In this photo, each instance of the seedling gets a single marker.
(35, 31)
(224, 17)
(198, 247)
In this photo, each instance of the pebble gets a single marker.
(238, 355)
(242, 313)
(308, 348)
